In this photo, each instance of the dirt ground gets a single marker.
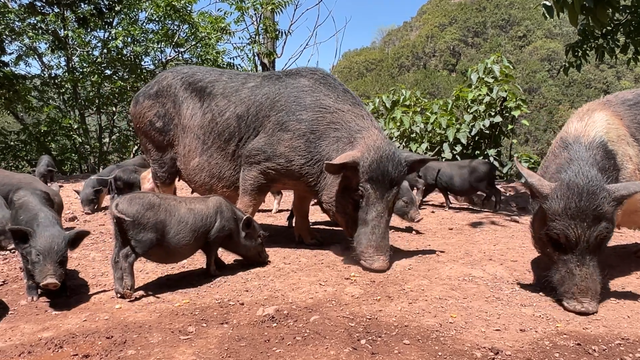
(460, 287)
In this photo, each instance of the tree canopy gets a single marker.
(68, 69)
(605, 28)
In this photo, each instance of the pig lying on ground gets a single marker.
(461, 178)
(339, 153)
(168, 229)
(406, 206)
(38, 236)
(95, 188)
(589, 178)
(45, 169)
(6, 241)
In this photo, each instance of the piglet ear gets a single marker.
(21, 236)
(247, 223)
(75, 237)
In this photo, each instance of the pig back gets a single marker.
(11, 181)
(216, 121)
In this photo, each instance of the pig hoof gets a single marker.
(127, 294)
(311, 241)
(32, 298)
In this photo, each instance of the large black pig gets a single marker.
(588, 180)
(215, 128)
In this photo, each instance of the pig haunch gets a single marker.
(168, 229)
(588, 179)
(339, 153)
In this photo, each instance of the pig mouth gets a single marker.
(580, 306)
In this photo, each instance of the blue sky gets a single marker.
(365, 17)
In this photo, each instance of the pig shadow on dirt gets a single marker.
(4, 310)
(617, 261)
(188, 279)
(78, 293)
(333, 240)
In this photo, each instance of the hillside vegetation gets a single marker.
(433, 51)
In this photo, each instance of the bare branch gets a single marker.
(312, 42)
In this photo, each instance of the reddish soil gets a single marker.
(460, 287)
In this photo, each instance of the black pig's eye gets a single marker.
(557, 243)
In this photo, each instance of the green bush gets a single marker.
(479, 120)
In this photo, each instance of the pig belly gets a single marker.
(169, 254)
(629, 214)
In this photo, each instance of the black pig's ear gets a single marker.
(347, 162)
(623, 191)
(247, 223)
(75, 237)
(536, 183)
(21, 236)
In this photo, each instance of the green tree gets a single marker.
(72, 67)
(605, 28)
(478, 120)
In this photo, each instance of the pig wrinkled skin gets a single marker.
(95, 188)
(45, 169)
(167, 229)
(213, 129)
(43, 245)
(588, 178)
(461, 178)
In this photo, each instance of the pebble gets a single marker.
(314, 318)
(406, 342)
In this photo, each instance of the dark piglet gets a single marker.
(406, 206)
(45, 169)
(124, 181)
(11, 181)
(588, 182)
(461, 178)
(168, 229)
(6, 241)
(42, 243)
(339, 154)
(95, 188)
